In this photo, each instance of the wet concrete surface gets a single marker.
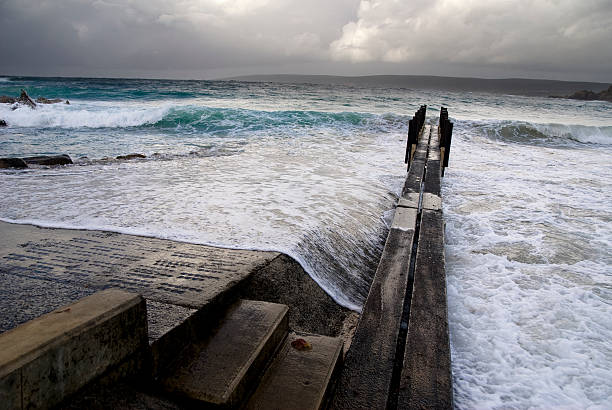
(42, 269)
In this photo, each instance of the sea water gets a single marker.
(315, 170)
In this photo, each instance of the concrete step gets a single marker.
(222, 369)
(300, 378)
(53, 356)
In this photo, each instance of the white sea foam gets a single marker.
(4, 80)
(83, 115)
(528, 261)
(292, 196)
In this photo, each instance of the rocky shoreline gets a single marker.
(588, 95)
(25, 99)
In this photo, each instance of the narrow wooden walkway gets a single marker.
(400, 354)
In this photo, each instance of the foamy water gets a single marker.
(528, 258)
(314, 171)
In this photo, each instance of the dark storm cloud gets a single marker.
(204, 38)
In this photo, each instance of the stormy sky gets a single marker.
(202, 39)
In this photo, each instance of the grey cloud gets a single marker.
(536, 35)
(204, 38)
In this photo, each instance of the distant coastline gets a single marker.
(588, 95)
(516, 86)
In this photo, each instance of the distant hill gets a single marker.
(518, 86)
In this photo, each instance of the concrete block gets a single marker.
(53, 356)
(10, 391)
(221, 369)
(432, 202)
(409, 200)
(404, 219)
(299, 379)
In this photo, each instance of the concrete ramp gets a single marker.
(55, 267)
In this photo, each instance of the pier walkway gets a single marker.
(400, 354)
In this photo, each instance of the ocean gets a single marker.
(315, 171)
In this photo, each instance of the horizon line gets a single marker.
(237, 77)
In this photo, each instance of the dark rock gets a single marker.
(12, 163)
(24, 98)
(4, 99)
(131, 156)
(587, 95)
(43, 100)
(3, 123)
(49, 160)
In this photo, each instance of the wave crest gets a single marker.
(197, 117)
(537, 134)
(73, 116)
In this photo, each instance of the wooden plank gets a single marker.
(426, 376)
(417, 166)
(432, 175)
(366, 376)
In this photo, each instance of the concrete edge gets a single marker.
(36, 351)
(273, 341)
(72, 346)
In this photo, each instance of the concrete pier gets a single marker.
(400, 354)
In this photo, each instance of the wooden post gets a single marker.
(411, 128)
(445, 131)
(415, 127)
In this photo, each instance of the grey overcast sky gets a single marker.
(201, 39)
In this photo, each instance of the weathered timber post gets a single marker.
(415, 126)
(445, 130)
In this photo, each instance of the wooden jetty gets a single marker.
(400, 354)
(183, 330)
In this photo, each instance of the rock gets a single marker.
(49, 160)
(131, 156)
(43, 100)
(587, 95)
(24, 98)
(4, 99)
(12, 163)
(3, 123)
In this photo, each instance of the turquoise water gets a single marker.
(314, 171)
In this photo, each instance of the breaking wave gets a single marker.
(537, 134)
(201, 118)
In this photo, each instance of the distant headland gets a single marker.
(588, 95)
(516, 86)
